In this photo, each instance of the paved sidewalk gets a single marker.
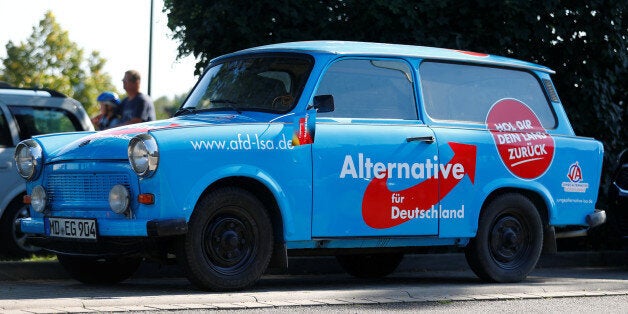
(294, 293)
(46, 270)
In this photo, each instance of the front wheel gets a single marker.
(370, 265)
(229, 241)
(509, 240)
(99, 271)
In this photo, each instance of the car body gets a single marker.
(618, 199)
(25, 113)
(365, 151)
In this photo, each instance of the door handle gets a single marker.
(427, 139)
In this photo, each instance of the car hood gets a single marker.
(112, 144)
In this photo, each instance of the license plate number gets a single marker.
(71, 228)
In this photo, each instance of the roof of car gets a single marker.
(381, 49)
(6, 89)
(15, 96)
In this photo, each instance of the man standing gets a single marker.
(136, 107)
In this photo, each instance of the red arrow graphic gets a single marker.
(378, 200)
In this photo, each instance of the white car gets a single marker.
(23, 114)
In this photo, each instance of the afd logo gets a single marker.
(576, 183)
(575, 173)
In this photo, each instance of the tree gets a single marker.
(49, 59)
(584, 41)
(166, 107)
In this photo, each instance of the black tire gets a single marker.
(509, 240)
(12, 240)
(99, 271)
(370, 265)
(229, 241)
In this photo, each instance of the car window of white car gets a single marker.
(5, 133)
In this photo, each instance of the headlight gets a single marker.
(38, 199)
(119, 199)
(28, 159)
(143, 155)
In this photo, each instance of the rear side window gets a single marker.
(5, 133)
(379, 89)
(466, 92)
(33, 121)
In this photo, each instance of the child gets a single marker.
(108, 117)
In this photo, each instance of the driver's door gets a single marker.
(371, 155)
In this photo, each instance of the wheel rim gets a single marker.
(509, 241)
(19, 237)
(229, 242)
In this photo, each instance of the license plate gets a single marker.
(72, 228)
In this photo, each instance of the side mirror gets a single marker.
(323, 103)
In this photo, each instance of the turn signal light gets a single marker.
(146, 199)
(26, 199)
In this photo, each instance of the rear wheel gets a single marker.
(370, 265)
(229, 241)
(509, 240)
(103, 271)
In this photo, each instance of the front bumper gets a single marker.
(151, 234)
(118, 227)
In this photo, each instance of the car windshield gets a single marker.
(257, 83)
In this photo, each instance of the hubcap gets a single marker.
(509, 241)
(229, 243)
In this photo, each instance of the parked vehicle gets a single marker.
(25, 113)
(618, 200)
(361, 150)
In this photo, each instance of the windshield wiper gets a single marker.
(185, 110)
(230, 104)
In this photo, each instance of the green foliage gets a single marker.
(166, 107)
(49, 59)
(584, 41)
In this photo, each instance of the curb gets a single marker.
(51, 270)
(270, 305)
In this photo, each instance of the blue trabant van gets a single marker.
(365, 151)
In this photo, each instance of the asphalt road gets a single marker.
(605, 304)
(412, 287)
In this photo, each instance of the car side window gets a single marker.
(5, 133)
(33, 121)
(462, 92)
(379, 89)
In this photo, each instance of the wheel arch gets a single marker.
(537, 199)
(541, 205)
(261, 191)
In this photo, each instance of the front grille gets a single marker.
(69, 189)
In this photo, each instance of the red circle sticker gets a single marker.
(523, 144)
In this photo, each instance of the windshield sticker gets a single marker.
(383, 208)
(523, 144)
(576, 182)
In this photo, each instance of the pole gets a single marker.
(150, 49)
